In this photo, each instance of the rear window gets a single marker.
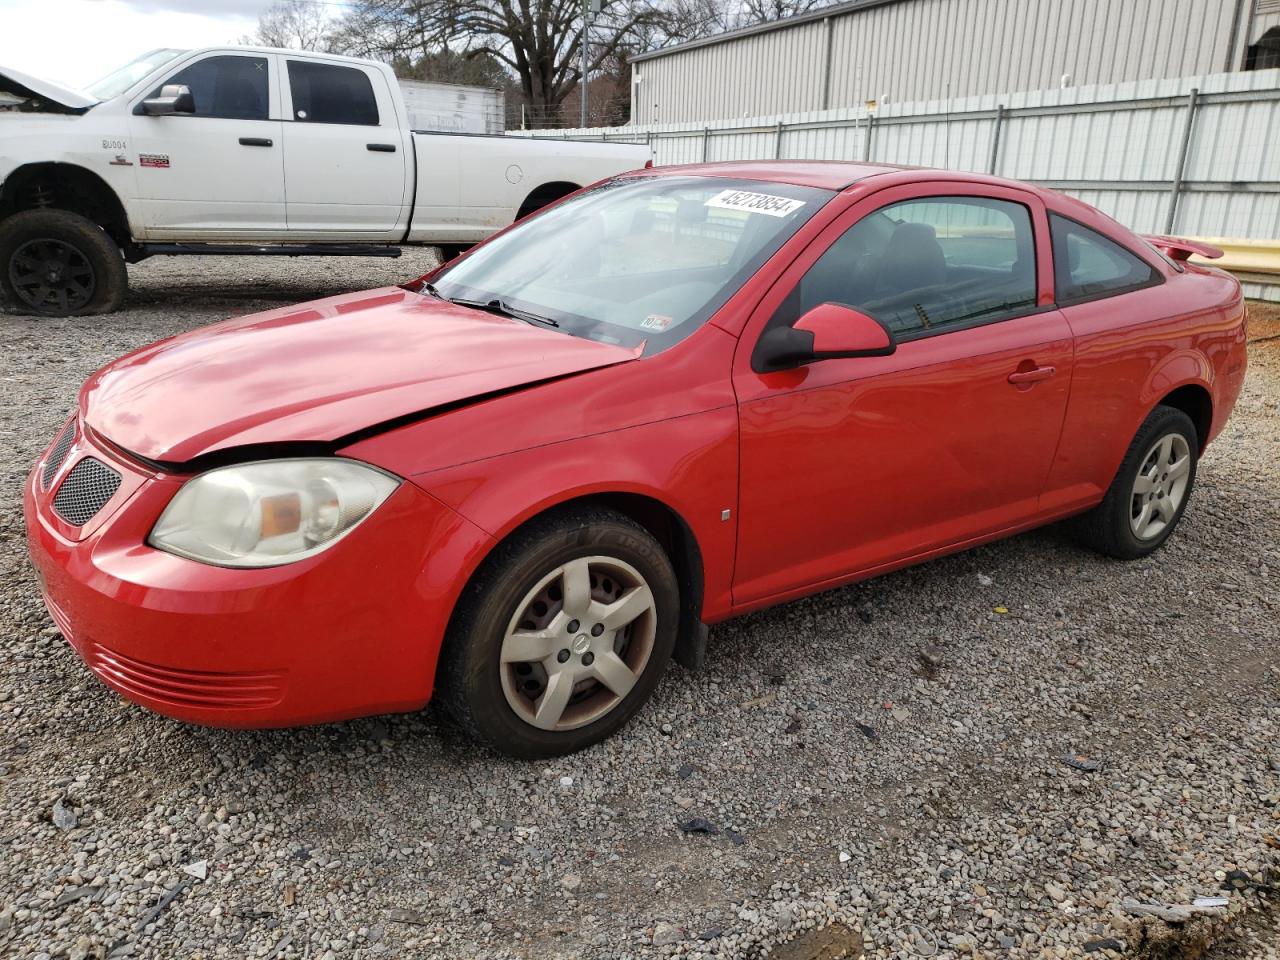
(324, 93)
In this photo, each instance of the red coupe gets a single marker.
(529, 479)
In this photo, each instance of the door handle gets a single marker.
(381, 147)
(254, 142)
(1034, 375)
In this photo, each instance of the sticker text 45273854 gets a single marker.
(766, 203)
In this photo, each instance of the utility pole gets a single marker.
(589, 10)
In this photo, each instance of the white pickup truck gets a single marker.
(242, 150)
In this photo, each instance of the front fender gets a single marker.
(689, 464)
(96, 143)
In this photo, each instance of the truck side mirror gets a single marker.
(174, 98)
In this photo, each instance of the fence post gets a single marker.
(995, 140)
(866, 142)
(777, 142)
(706, 139)
(1181, 169)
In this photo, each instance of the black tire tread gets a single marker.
(111, 278)
(451, 671)
(1105, 527)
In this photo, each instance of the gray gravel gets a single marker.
(888, 757)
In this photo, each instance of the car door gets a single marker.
(217, 172)
(345, 153)
(853, 465)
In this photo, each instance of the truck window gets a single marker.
(324, 93)
(229, 87)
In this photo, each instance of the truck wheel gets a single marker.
(451, 251)
(56, 263)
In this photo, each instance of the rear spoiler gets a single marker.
(1175, 248)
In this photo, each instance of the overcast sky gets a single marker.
(78, 41)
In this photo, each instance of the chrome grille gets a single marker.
(59, 452)
(86, 489)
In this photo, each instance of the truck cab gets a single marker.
(247, 150)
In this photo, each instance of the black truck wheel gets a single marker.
(56, 263)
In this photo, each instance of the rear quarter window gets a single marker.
(1088, 265)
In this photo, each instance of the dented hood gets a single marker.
(319, 372)
(25, 87)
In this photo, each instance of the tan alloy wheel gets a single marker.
(1160, 486)
(578, 642)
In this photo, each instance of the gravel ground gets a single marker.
(884, 761)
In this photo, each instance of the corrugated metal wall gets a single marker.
(913, 50)
(1115, 146)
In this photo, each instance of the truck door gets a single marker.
(217, 172)
(346, 162)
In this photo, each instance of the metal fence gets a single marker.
(1196, 156)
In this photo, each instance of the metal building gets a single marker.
(918, 50)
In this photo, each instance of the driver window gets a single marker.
(230, 87)
(927, 266)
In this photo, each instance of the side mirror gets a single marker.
(174, 98)
(829, 331)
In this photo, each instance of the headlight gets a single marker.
(268, 513)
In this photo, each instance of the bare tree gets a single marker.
(295, 25)
(537, 40)
(763, 11)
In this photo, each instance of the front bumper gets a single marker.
(353, 631)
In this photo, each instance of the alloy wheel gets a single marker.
(578, 643)
(49, 273)
(1160, 486)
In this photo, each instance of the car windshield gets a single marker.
(637, 260)
(121, 79)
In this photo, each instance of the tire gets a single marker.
(85, 268)
(1116, 527)
(519, 707)
(451, 251)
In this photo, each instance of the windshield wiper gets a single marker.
(504, 309)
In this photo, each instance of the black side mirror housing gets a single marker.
(174, 98)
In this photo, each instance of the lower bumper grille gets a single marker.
(186, 688)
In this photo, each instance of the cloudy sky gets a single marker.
(78, 41)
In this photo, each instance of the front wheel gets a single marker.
(1150, 491)
(562, 635)
(56, 263)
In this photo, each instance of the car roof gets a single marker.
(826, 174)
(841, 174)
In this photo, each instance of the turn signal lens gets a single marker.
(270, 513)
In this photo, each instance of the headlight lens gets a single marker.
(269, 513)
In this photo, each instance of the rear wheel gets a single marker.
(1151, 490)
(58, 264)
(562, 636)
(450, 251)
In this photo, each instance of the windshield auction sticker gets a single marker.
(765, 203)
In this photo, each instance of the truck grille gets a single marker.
(85, 491)
(59, 452)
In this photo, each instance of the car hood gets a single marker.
(25, 87)
(321, 372)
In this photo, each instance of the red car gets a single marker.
(532, 477)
